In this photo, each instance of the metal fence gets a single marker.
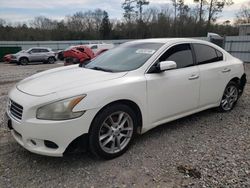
(56, 45)
(238, 46)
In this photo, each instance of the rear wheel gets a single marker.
(112, 131)
(24, 61)
(230, 97)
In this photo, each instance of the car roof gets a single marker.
(171, 41)
(40, 48)
(168, 40)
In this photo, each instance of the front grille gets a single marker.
(16, 110)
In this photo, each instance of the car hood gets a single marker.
(64, 78)
(19, 53)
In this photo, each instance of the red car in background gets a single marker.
(7, 58)
(78, 54)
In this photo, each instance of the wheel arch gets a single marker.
(134, 106)
(240, 81)
(51, 57)
(236, 80)
(23, 57)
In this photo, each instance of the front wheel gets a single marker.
(112, 131)
(51, 60)
(230, 97)
(23, 61)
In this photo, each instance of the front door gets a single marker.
(173, 92)
(35, 55)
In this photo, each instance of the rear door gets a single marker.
(214, 73)
(44, 54)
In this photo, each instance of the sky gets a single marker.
(26, 10)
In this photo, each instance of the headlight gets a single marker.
(60, 110)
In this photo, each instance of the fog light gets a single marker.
(33, 142)
(50, 144)
(10, 124)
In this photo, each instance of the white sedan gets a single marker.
(125, 91)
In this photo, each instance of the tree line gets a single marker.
(140, 20)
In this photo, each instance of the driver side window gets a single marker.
(181, 54)
(34, 51)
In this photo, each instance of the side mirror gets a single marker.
(167, 65)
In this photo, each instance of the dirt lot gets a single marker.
(208, 149)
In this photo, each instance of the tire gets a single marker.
(230, 97)
(105, 135)
(60, 56)
(23, 61)
(51, 60)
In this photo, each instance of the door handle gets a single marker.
(226, 70)
(193, 77)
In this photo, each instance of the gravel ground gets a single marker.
(207, 149)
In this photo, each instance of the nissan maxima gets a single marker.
(126, 91)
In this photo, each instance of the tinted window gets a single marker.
(80, 49)
(181, 54)
(35, 50)
(206, 54)
(94, 47)
(44, 50)
(219, 55)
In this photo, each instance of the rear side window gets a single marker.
(219, 55)
(206, 54)
(181, 54)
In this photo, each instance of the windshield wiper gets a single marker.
(101, 69)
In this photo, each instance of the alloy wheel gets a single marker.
(24, 61)
(51, 60)
(229, 98)
(116, 132)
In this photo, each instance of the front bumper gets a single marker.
(11, 60)
(34, 134)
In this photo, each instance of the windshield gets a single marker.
(28, 50)
(125, 57)
(21, 51)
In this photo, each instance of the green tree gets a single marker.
(214, 8)
(201, 8)
(106, 26)
(129, 9)
(243, 16)
(140, 4)
(2, 22)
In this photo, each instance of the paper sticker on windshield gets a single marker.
(145, 51)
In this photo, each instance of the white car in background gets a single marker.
(98, 47)
(36, 54)
(127, 90)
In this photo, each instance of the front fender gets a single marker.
(125, 88)
(18, 58)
